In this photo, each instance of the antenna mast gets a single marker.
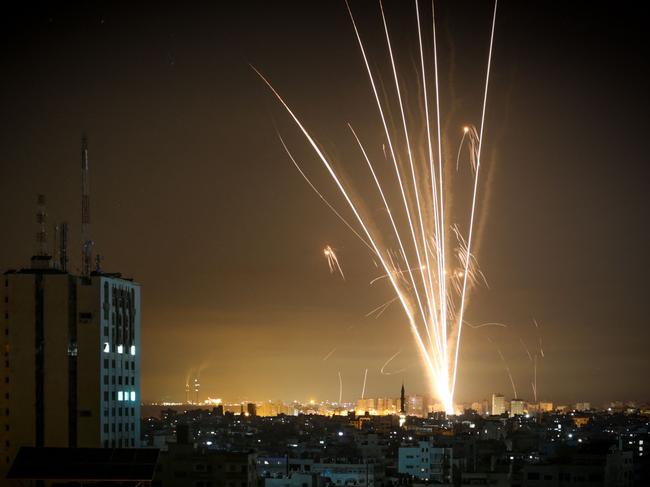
(86, 242)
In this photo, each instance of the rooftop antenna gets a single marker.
(56, 252)
(86, 242)
(41, 219)
(63, 246)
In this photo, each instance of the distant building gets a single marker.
(426, 462)
(583, 406)
(498, 405)
(251, 409)
(587, 468)
(280, 472)
(546, 407)
(416, 406)
(517, 407)
(184, 465)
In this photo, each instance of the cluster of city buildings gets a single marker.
(587, 447)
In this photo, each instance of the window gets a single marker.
(132, 395)
(105, 395)
(85, 317)
(105, 380)
(533, 476)
(105, 427)
(120, 396)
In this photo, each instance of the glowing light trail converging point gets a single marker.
(429, 275)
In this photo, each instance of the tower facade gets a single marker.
(402, 401)
(72, 362)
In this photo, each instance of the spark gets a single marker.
(431, 276)
(329, 354)
(333, 261)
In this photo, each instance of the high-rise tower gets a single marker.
(402, 401)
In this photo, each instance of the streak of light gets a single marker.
(365, 378)
(379, 310)
(340, 388)
(390, 359)
(329, 354)
(430, 282)
(333, 261)
(490, 323)
(505, 364)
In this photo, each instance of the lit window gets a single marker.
(132, 395)
(120, 396)
(132, 349)
(107, 347)
(120, 349)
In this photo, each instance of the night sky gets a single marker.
(193, 196)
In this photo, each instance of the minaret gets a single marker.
(86, 242)
(402, 401)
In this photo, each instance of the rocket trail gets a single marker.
(382, 371)
(379, 310)
(320, 195)
(505, 364)
(430, 268)
(365, 378)
(501, 325)
(539, 337)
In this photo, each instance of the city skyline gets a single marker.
(194, 198)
